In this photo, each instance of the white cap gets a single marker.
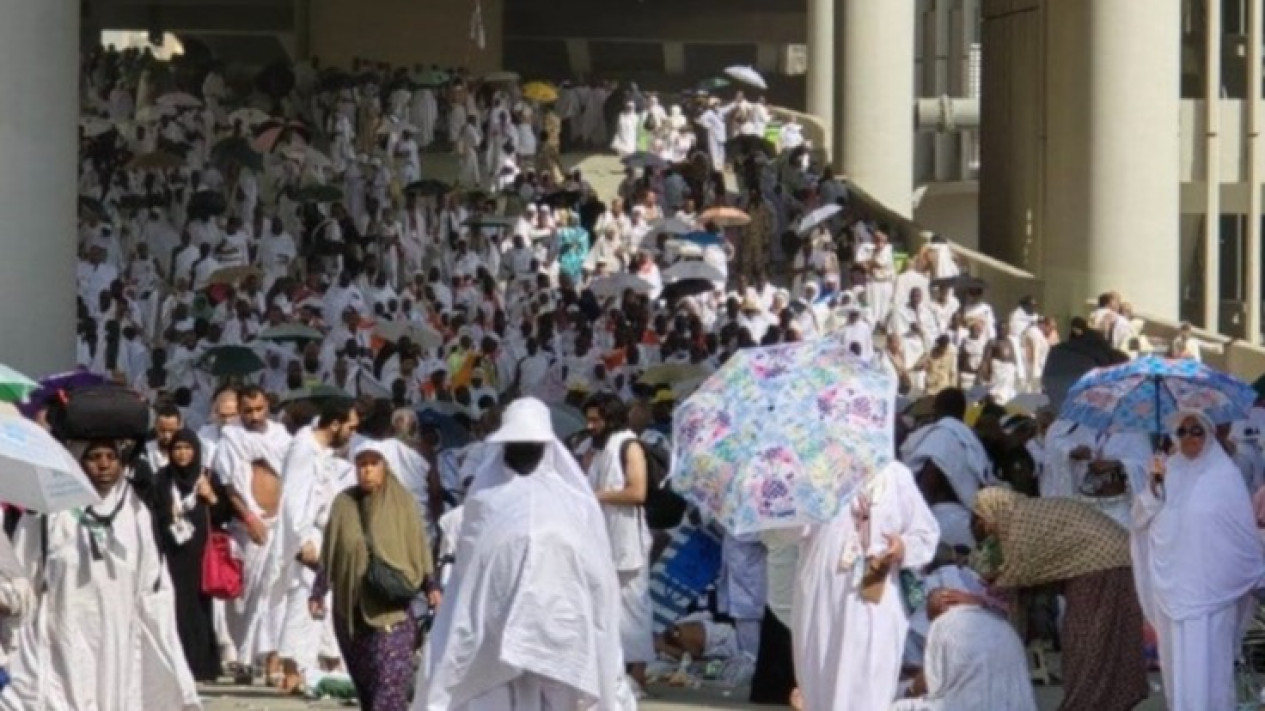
(524, 420)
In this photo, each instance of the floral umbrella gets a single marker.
(1143, 395)
(783, 436)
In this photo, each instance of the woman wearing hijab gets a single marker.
(1197, 557)
(189, 504)
(375, 519)
(1065, 541)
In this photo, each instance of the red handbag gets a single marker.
(221, 572)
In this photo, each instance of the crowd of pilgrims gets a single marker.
(523, 309)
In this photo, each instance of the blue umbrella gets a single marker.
(1144, 395)
(703, 239)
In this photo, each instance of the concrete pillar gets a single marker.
(674, 57)
(578, 57)
(821, 66)
(1253, 248)
(1212, 170)
(1112, 176)
(39, 44)
(876, 148)
(944, 164)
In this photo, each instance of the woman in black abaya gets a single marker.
(188, 502)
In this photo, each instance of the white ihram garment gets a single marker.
(848, 651)
(527, 623)
(103, 636)
(1196, 601)
(254, 619)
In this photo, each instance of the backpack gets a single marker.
(664, 507)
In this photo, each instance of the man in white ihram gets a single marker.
(531, 618)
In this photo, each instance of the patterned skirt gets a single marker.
(1104, 665)
(380, 662)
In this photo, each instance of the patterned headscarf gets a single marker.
(1049, 540)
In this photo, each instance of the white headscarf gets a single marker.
(1206, 509)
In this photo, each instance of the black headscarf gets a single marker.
(184, 478)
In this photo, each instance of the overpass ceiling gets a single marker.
(226, 16)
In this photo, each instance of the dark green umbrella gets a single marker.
(316, 392)
(290, 332)
(223, 361)
(491, 221)
(318, 193)
(710, 85)
(236, 150)
(428, 187)
(207, 203)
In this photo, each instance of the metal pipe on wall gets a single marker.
(1253, 247)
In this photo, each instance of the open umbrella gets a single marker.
(318, 193)
(687, 287)
(783, 436)
(158, 160)
(491, 221)
(206, 203)
(179, 99)
(746, 75)
(36, 471)
(223, 361)
(961, 282)
(692, 270)
(616, 284)
(725, 217)
(52, 385)
(417, 333)
(229, 276)
(565, 199)
(672, 226)
(236, 150)
(151, 114)
(14, 386)
(669, 373)
(94, 126)
(817, 217)
(540, 92)
(1144, 394)
(703, 239)
(500, 78)
(642, 159)
(430, 79)
(290, 333)
(248, 117)
(746, 144)
(428, 187)
(395, 126)
(708, 86)
(316, 392)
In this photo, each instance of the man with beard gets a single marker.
(248, 462)
(312, 477)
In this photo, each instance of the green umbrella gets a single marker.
(290, 332)
(318, 193)
(14, 386)
(710, 85)
(224, 361)
(236, 150)
(316, 392)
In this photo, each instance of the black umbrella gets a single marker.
(334, 79)
(231, 360)
(206, 203)
(428, 187)
(318, 193)
(746, 145)
(491, 221)
(643, 159)
(563, 199)
(687, 287)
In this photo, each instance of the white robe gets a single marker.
(1196, 601)
(848, 651)
(528, 620)
(103, 636)
(254, 619)
(974, 662)
(625, 141)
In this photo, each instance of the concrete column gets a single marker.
(1111, 175)
(944, 164)
(821, 66)
(39, 44)
(1253, 248)
(674, 57)
(1212, 170)
(578, 57)
(876, 147)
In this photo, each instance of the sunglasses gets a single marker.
(1195, 431)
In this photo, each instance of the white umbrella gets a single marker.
(672, 226)
(616, 284)
(248, 116)
(809, 222)
(36, 471)
(153, 113)
(309, 156)
(416, 332)
(93, 127)
(180, 99)
(394, 126)
(746, 75)
(692, 270)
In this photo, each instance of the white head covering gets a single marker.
(1205, 508)
(527, 420)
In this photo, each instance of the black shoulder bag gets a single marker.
(383, 580)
